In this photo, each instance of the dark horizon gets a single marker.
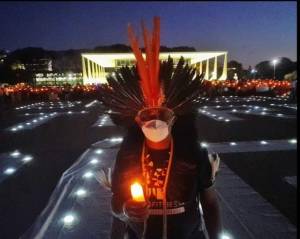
(251, 32)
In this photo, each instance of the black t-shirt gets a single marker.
(156, 164)
(188, 177)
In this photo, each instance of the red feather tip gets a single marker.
(148, 68)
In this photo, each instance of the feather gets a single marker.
(148, 68)
(151, 82)
(104, 178)
(214, 160)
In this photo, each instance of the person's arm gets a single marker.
(122, 205)
(117, 207)
(129, 210)
(211, 212)
(131, 213)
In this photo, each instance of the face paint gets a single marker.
(155, 130)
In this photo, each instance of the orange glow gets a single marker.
(148, 68)
(277, 87)
(137, 192)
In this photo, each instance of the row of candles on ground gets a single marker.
(262, 142)
(24, 88)
(254, 84)
(238, 85)
(49, 105)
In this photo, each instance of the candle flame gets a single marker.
(137, 192)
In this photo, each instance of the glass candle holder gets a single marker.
(156, 122)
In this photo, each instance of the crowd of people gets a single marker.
(12, 95)
(268, 87)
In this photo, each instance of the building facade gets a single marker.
(96, 66)
(55, 78)
(39, 65)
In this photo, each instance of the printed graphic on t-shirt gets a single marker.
(156, 171)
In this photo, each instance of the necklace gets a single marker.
(165, 183)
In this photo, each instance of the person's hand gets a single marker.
(136, 211)
(214, 160)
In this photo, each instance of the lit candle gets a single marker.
(137, 192)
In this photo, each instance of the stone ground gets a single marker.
(257, 189)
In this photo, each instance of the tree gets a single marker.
(234, 67)
(265, 69)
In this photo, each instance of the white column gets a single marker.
(89, 69)
(206, 77)
(224, 73)
(100, 74)
(98, 71)
(93, 69)
(200, 71)
(84, 77)
(214, 75)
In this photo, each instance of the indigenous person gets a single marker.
(160, 151)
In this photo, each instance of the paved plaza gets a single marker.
(51, 155)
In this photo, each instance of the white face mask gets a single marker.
(155, 130)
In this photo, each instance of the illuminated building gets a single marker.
(35, 65)
(17, 66)
(96, 66)
(52, 78)
(39, 65)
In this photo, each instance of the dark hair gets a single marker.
(185, 136)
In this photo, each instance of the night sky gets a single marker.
(250, 31)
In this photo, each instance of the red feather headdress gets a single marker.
(152, 83)
(148, 68)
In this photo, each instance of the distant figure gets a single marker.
(235, 77)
